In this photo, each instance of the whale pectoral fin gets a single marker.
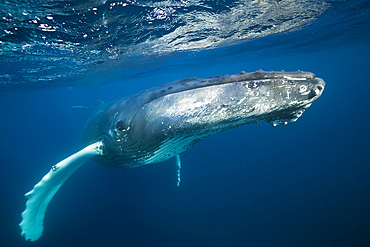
(178, 163)
(40, 196)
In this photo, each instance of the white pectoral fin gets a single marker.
(40, 196)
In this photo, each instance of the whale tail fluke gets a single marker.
(40, 196)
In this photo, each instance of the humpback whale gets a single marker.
(161, 122)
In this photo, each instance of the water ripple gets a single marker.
(55, 42)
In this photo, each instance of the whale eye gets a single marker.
(120, 131)
(121, 126)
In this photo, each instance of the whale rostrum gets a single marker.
(161, 122)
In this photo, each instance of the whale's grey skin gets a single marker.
(161, 122)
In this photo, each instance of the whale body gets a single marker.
(155, 125)
(161, 122)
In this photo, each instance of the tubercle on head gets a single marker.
(278, 122)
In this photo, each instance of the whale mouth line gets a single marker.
(193, 83)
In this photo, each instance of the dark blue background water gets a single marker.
(304, 184)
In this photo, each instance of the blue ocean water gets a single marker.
(304, 184)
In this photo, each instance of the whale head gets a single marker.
(161, 122)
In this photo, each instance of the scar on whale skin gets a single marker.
(161, 122)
